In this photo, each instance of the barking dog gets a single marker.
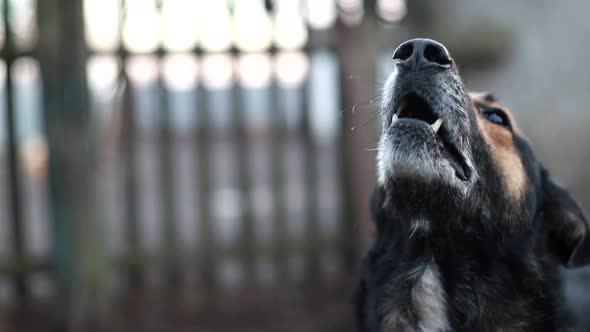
(471, 228)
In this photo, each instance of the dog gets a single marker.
(471, 229)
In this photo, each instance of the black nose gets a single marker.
(421, 53)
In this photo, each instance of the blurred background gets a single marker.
(205, 165)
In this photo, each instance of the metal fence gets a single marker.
(220, 170)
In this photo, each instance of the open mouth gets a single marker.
(414, 107)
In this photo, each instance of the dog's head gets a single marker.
(447, 156)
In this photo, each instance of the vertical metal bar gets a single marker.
(14, 180)
(167, 185)
(247, 245)
(207, 245)
(133, 263)
(312, 230)
(71, 138)
(348, 239)
(280, 254)
(355, 180)
(168, 194)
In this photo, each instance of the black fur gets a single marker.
(497, 257)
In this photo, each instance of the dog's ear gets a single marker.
(567, 224)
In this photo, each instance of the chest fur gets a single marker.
(421, 306)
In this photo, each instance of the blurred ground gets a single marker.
(321, 308)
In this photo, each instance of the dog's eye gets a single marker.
(496, 116)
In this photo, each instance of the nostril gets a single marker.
(403, 52)
(437, 54)
(422, 53)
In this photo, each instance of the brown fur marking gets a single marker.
(502, 145)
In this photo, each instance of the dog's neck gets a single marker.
(423, 238)
(414, 235)
(434, 269)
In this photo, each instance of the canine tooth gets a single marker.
(436, 125)
(394, 118)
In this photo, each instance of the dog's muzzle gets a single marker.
(425, 116)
